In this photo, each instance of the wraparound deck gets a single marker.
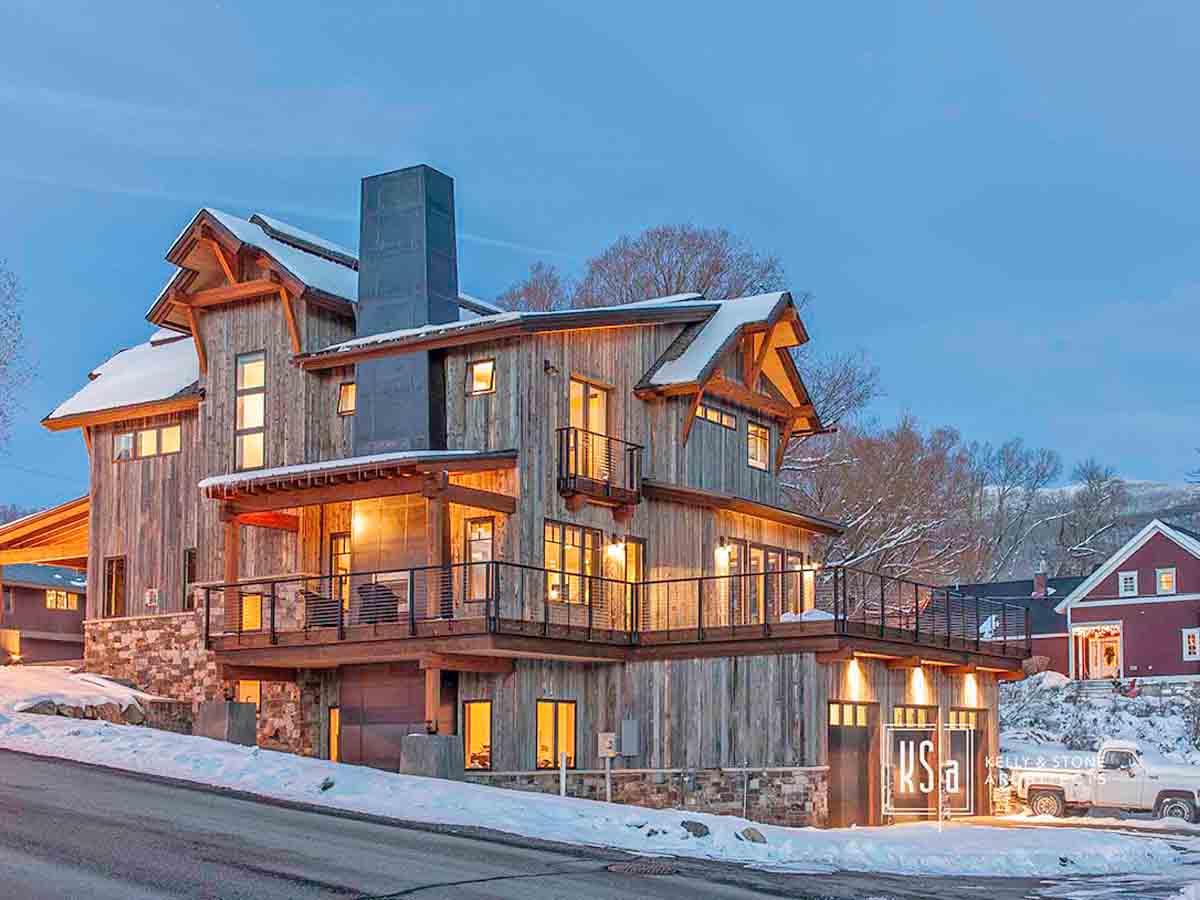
(509, 609)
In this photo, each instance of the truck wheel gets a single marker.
(1177, 808)
(1047, 803)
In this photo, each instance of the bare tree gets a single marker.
(677, 259)
(13, 370)
(542, 290)
(1008, 504)
(1091, 506)
(901, 492)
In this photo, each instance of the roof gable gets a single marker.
(1184, 540)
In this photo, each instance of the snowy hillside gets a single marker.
(1049, 714)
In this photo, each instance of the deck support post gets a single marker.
(433, 698)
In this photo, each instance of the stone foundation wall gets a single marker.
(165, 655)
(776, 796)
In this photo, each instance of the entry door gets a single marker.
(1104, 657)
(589, 414)
(379, 704)
(853, 769)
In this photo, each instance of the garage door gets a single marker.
(380, 703)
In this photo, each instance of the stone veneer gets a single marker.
(776, 796)
(165, 655)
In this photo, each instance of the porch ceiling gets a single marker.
(57, 536)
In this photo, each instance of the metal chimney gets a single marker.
(407, 277)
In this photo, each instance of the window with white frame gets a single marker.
(1191, 644)
(1164, 580)
(1127, 584)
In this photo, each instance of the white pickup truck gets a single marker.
(1121, 779)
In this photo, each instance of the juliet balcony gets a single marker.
(599, 468)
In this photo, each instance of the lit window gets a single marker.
(716, 416)
(1191, 644)
(1127, 584)
(251, 612)
(147, 442)
(555, 733)
(758, 445)
(123, 446)
(1165, 580)
(251, 394)
(477, 734)
(189, 577)
(170, 439)
(481, 377)
(347, 399)
(480, 546)
(335, 733)
(114, 587)
(249, 692)
(61, 600)
(569, 553)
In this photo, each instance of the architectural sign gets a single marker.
(918, 773)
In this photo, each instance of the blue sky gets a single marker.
(998, 202)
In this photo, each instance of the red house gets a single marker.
(1138, 615)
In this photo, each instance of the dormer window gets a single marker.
(347, 398)
(1127, 584)
(1164, 580)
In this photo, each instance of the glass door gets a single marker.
(589, 453)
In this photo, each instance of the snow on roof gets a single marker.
(315, 271)
(468, 301)
(289, 233)
(330, 466)
(675, 301)
(143, 374)
(730, 316)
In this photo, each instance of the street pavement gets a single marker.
(68, 830)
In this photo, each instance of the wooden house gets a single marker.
(334, 485)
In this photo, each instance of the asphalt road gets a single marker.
(74, 831)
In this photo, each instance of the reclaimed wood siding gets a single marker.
(693, 713)
(530, 403)
(146, 511)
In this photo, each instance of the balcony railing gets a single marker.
(599, 466)
(511, 598)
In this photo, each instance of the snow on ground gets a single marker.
(1048, 715)
(909, 849)
(24, 686)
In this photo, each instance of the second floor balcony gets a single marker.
(599, 468)
(435, 603)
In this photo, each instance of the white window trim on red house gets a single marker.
(1122, 577)
(1193, 632)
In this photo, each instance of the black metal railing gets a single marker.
(507, 597)
(599, 465)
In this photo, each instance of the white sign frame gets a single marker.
(936, 735)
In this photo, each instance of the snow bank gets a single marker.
(24, 686)
(1048, 714)
(910, 849)
(809, 615)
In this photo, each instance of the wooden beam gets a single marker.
(691, 414)
(290, 316)
(969, 669)
(232, 534)
(44, 553)
(458, 662)
(333, 493)
(194, 323)
(219, 253)
(87, 439)
(658, 490)
(840, 655)
(120, 413)
(255, 673)
(278, 520)
(757, 365)
(433, 698)
(721, 386)
(469, 496)
(785, 435)
(230, 293)
(908, 662)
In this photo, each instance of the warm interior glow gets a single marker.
(723, 554)
(854, 680)
(616, 550)
(920, 687)
(970, 690)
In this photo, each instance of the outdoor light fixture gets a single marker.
(920, 687)
(970, 690)
(617, 548)
(854, 680)
(723, 553)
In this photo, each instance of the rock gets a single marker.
(43, 708)
(327, 784)
(133, 714)
(753, 835)
(109, 712)
(695, 829)
(653, 832)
